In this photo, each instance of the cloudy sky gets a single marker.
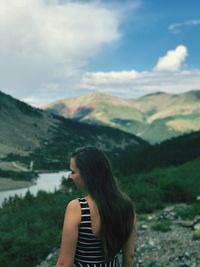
(53, 49)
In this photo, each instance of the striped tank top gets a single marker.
(89, 250)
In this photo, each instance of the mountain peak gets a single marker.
(102, 96)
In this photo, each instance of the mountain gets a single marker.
(97, 106)
(29, 133)
(101, 109)
(153, 117)
(22, 126)
(169, 115)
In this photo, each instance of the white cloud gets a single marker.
(165, 77)
(44, 43)
(172, 60)
(177, 27)
(105, 78)
(139, 83)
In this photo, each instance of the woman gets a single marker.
(102, 223)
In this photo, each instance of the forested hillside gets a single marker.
(169, 153)
(29, 134)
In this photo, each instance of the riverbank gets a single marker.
(10, 184)
(48, 182)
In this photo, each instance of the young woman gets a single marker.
(101, 224)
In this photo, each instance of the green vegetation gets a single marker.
(188, 212)
(31, 227)
(162, 226)
(152, 190)
(173, 152)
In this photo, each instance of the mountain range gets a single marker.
(153, 117)
(28, 133)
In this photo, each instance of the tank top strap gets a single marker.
(85, 210)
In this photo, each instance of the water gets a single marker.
(46, 181)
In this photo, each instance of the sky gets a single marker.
(55, 49)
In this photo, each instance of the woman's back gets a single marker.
(89, 250)
(95, 217)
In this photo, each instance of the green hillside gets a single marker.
(154, 117)
(161, 186)
(33, 135)
(173, 152)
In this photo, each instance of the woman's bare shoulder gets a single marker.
(73, 209)
(74, 204)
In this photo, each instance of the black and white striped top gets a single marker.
(89, 250)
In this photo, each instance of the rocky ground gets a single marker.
(163, 240)
(174, 248)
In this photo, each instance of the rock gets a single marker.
(49, 256)
(196, 220)
(143, 227)
(150, 217)
(168, 214)
(197, 227)
(187, 223)
(151, 243)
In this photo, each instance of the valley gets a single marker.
(161, 178)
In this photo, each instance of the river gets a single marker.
(46, 181)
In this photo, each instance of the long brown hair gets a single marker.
(115, 208)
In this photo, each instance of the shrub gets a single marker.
(162, 226)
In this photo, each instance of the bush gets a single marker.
(162, 226)
(188, 212)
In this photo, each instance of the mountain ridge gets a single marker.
(154, 117)
(29, 133)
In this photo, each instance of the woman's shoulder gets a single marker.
(74, 206)
(73, 210)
